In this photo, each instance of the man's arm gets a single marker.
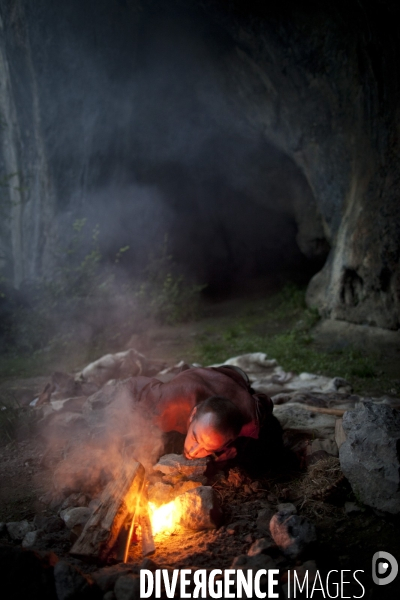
(228, 454)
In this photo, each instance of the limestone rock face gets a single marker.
(369, 457)
(322, 93)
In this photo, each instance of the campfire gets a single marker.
(165, 518)
(124, 515)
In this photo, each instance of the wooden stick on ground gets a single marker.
(141, 518)
(340, 435)
(118, 499)
(339, 412)
(148, 546)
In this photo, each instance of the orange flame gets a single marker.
(164, 518)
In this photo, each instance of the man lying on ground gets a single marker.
(217, 411)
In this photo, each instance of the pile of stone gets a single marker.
(182, 481)
(370, 457)
(311, 434)
(275, 538)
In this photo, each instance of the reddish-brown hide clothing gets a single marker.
(171, 403)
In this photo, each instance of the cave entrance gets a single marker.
(242, 212)
(235, 207)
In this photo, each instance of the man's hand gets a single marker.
(227, 455)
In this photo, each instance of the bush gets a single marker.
(90, 306)
(74, 304)
(166, 294)
(15, 422)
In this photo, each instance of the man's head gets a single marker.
(213, 425)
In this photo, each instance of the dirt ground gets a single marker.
(346, 541)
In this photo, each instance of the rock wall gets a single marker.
(321, 82)
(81, 117)
(27, 198)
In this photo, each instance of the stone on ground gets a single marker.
(352, 508)
(50, 524)
(76, 517)
(287, 508)
(369, 457)
(106, 577)
(260, 561)
(17, 530)
(263, 520)
(70, 583)
(185, 486)
(31, 539)
(199, 508)
(260, 547)
(177, 464)
(292, 533)
(127, 588)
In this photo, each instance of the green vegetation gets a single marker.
(165, 293)
(91, 307)
(281, 326)
(57, 310)
(15, 421)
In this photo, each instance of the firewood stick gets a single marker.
(148, 546)
(141, 518)
(131, 528)
(339, 412)
(116, 502)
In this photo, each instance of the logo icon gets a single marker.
(384, 568)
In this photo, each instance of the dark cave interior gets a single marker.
(261, 140)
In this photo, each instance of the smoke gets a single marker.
(144, 133)
(113, 429)
(145, 126)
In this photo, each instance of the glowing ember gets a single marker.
(164, 518)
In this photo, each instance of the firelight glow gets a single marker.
(164, 518)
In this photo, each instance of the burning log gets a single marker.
(148, 546)
(119, 499)
(140, 517)
(195, 509)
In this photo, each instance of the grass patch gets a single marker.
(282, 328)
(280, 325)
(44, 362)
(89, 307)
(15, 422)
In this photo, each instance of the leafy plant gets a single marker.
(78, 298)
(282, 328)
(90, 306)
(165, 293)
(14, 421)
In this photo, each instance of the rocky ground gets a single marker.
(346, 536)
(331, 526)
